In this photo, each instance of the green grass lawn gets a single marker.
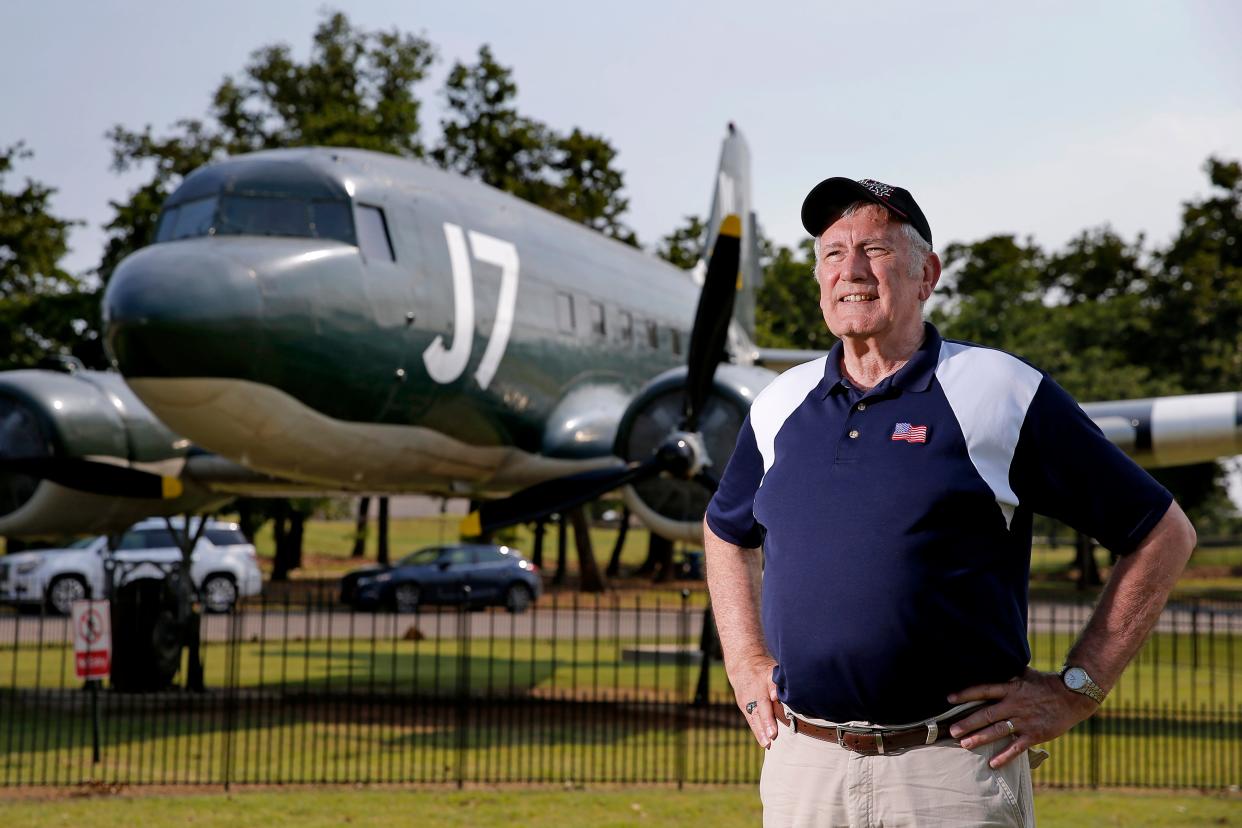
(649, 806)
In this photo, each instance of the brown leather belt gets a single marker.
(873, 741)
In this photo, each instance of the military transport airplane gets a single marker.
(330, 320)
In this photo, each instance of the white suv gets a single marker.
(223, 566)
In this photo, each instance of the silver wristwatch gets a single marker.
(1076, 679)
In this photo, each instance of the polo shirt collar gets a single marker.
(916, 375)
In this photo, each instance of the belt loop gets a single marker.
(879, 742)
(933, 732)
(793, 723)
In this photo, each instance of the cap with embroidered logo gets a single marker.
(829, 198)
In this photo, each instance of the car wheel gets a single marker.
(64, 591)
(517, 598)
(219, 593)
(405, 597)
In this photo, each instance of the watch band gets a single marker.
(1076, 679)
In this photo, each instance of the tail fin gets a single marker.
(732, 195)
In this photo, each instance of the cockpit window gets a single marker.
(236, 214)
(373, 234)
(193, 218)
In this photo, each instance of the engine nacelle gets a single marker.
(88, 415)
(668, 506)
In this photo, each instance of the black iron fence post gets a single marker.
(232, 659)
(463, 685)
(683, 687)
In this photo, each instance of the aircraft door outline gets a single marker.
(447, 364)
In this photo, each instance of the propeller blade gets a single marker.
(557, 495)
(711, 320)
(96, 478)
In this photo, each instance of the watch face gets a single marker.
(1075, 678)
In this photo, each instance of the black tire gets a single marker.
(406, 597)
(147, 638)
(63, 591)
(518, 598)
(219, 593)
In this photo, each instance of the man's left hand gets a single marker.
(1039, 705)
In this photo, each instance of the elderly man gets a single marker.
(891, 486)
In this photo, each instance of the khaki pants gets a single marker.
(808, 782)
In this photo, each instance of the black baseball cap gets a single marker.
(825, 203)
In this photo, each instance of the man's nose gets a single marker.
(856, 267)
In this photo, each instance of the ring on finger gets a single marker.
(750, 707)
(1012, 729)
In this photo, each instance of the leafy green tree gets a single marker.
(486, 138)
(355, 90)
(787, 313)
(1196, 295)
(45, 312)
(684, 246)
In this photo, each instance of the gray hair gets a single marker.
(918, 247)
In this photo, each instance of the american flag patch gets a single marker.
(910, 433)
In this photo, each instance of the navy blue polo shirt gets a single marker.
(896, 522)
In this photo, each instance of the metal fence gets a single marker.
(574, 690)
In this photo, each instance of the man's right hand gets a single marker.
(752, 682)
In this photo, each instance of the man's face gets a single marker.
(869, 286)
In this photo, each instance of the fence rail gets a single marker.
(581, 690)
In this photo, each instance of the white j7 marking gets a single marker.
(445, 365)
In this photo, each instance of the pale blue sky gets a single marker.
(1043, 119)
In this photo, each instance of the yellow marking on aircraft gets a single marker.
(731, 225)
(471, 526)
(170, 487)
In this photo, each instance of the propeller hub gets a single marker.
(684, 454)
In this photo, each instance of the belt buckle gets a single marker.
(861, 731)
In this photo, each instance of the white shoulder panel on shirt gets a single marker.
(989, 392)
(776, 402)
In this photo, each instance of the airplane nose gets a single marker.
(182, 309)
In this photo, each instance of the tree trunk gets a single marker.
(382, 553)
(541, 527)
(660, 558)
(188, 601)
(589, 577)
(614, 563)
(280, 535)
(360, 528)
(709, 647)
(562, 545)
(1084, 559)
(247, 520)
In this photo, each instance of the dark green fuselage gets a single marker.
(344, 330)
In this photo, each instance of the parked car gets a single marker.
(473, 574)
(222, 566)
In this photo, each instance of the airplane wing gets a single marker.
(782, 359)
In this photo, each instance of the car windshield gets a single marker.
(420, 558)
(226, 537)
(81, 543)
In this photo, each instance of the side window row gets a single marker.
(648, 330)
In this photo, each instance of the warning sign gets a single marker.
(92, 639)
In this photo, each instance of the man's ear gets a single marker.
(931, 276)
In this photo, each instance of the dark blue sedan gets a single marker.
(470, 574)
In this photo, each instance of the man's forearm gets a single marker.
(1133, 600)
(733, 575)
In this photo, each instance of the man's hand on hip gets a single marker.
(756, 696)
(1030, 709)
